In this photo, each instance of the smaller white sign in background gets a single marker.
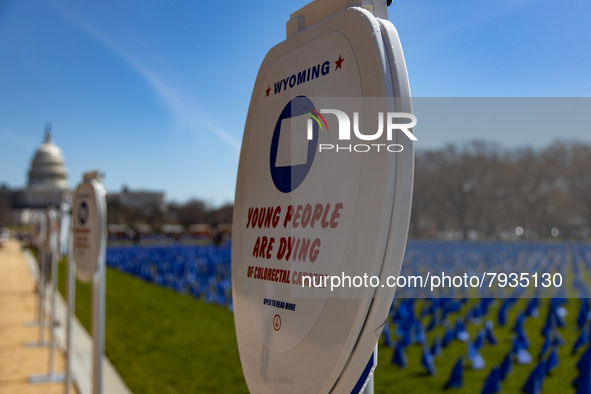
(88, 227)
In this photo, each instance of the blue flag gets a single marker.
(490, 335)
(558, 339)
(493, 382)
(506, 366)
(552, 361)
(519, 322)
(460, 332)
(427, 361)
(581, 341)
(534, 383)
(485, 303)
(406, 337)
(432, 324)
(559, 314)
(419, 334)
(399, 356)
(471, 351)
(522, 335)
(548, 325)
(448, 336)
(584, 363)
(456, 378)
(479, 341)
(436, 346)
(545, 346)
(583, 381)
(583, 315)
(531, 308)
(478, 363)
(584, 384)
(521, 354)
(386, 334)
(502, 314)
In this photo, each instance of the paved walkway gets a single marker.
(18, 362)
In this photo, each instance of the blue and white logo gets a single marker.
(82, 213)
(292, 151)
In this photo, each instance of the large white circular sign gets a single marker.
(88, 227)
(304, 210)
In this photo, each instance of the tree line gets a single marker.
(484, 190)
(473, 190)
(191, 212)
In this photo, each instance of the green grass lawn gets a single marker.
(390, 378)
(163, 342)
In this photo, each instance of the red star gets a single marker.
(268, 90)
(339, 63)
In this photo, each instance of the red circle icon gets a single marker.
(277, 322)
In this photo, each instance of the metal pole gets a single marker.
(71, 296)
(98, 324)
(54, 247)
(51, 244)
(42, 317)
(42, 260)
(37, 318)
(369, 386)
(40, 253)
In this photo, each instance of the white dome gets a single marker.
(48, 170)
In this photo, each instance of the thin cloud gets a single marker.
(183, 111)
(224, 135)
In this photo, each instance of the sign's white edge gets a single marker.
(399, 224)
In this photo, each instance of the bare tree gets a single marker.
(192, 212)
(579, 180)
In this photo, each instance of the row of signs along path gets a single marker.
(17, 306)
(17, 362)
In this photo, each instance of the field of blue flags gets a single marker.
(519, 340)
(530, 343)
(201, 271)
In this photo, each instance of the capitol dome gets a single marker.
(48, 170)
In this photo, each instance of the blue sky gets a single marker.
(155, 93)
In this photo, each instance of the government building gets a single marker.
(47, 184)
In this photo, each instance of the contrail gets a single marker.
(183, 111)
